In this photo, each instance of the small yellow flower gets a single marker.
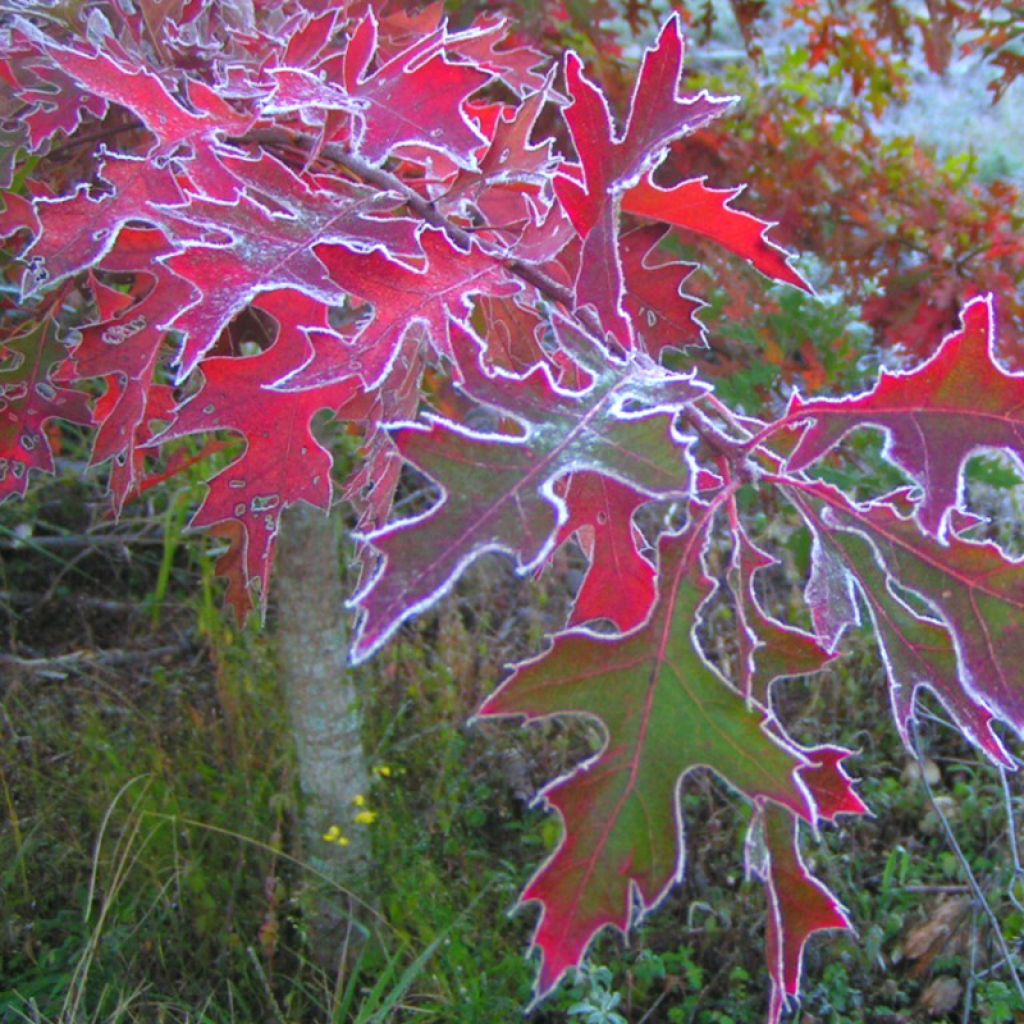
(332, 834)
(366, 817)
(343, 840)
(359, 800)
(383, 771)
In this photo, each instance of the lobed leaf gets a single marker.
(622, 846)
(936, 416)
(498, 490)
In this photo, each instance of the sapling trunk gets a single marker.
(323, 704)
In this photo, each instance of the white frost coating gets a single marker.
(428, 47)
(829, 593)
(636, 909)
(923, 482)
(547, 491)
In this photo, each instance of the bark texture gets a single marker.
(323, 703)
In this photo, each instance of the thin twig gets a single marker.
(100, 604)
(969, 987)
(82, 540)
(979, 896)
(77, 661)
(1011, 829)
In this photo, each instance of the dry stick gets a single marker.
(972, 881)
(79, 660)
(102, 604)
(1011, 822)
(81, 540)
(969, 990)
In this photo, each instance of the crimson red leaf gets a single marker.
(608, 165)
(969, 648)
(622, 845)
(174, 126)
(415, 97)
(936, 416)
(517, 66)
(77, 231)
(620, 584)
(56, 103)
(124, 346)
(768, 649)
(657, 116)
(403, 297)
(497, 488)
(233, 252)
(695, 207)
(283, 462)
(663, 316)
(798, 904)
(832, 789)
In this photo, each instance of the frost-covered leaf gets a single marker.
(233, 252)
(124, 345)
(968, 648)
(768, 649)
(76, 231)
(620, 584)
(403, 297)
(937, 415)
(663, 315)
(199, 130)
(416, 97)
(658, 114)
(497, 489)
(799, 905)
(694, 206)
(283, 462)
(29, 399)
(622, 846)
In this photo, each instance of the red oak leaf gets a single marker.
(657, 116)
(77, 231)
(694, 206)
(415, 97)
(768, 650)
(29, 398)
(518, 67)
(936, 416)
(403, 298)
(609, 165)
(799, 905)
(233, 252)
(56, 102)
(829, 783)
(968, 649)
(124, 346)
(283, 462)
(663, 316)
(622, 845)
(497, 488)
(504, 189)
(621, 584)
(174, 125)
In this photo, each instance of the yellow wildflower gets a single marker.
(366, 817)
(359, 800)
(332, 834)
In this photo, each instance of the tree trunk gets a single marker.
(312, 649)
